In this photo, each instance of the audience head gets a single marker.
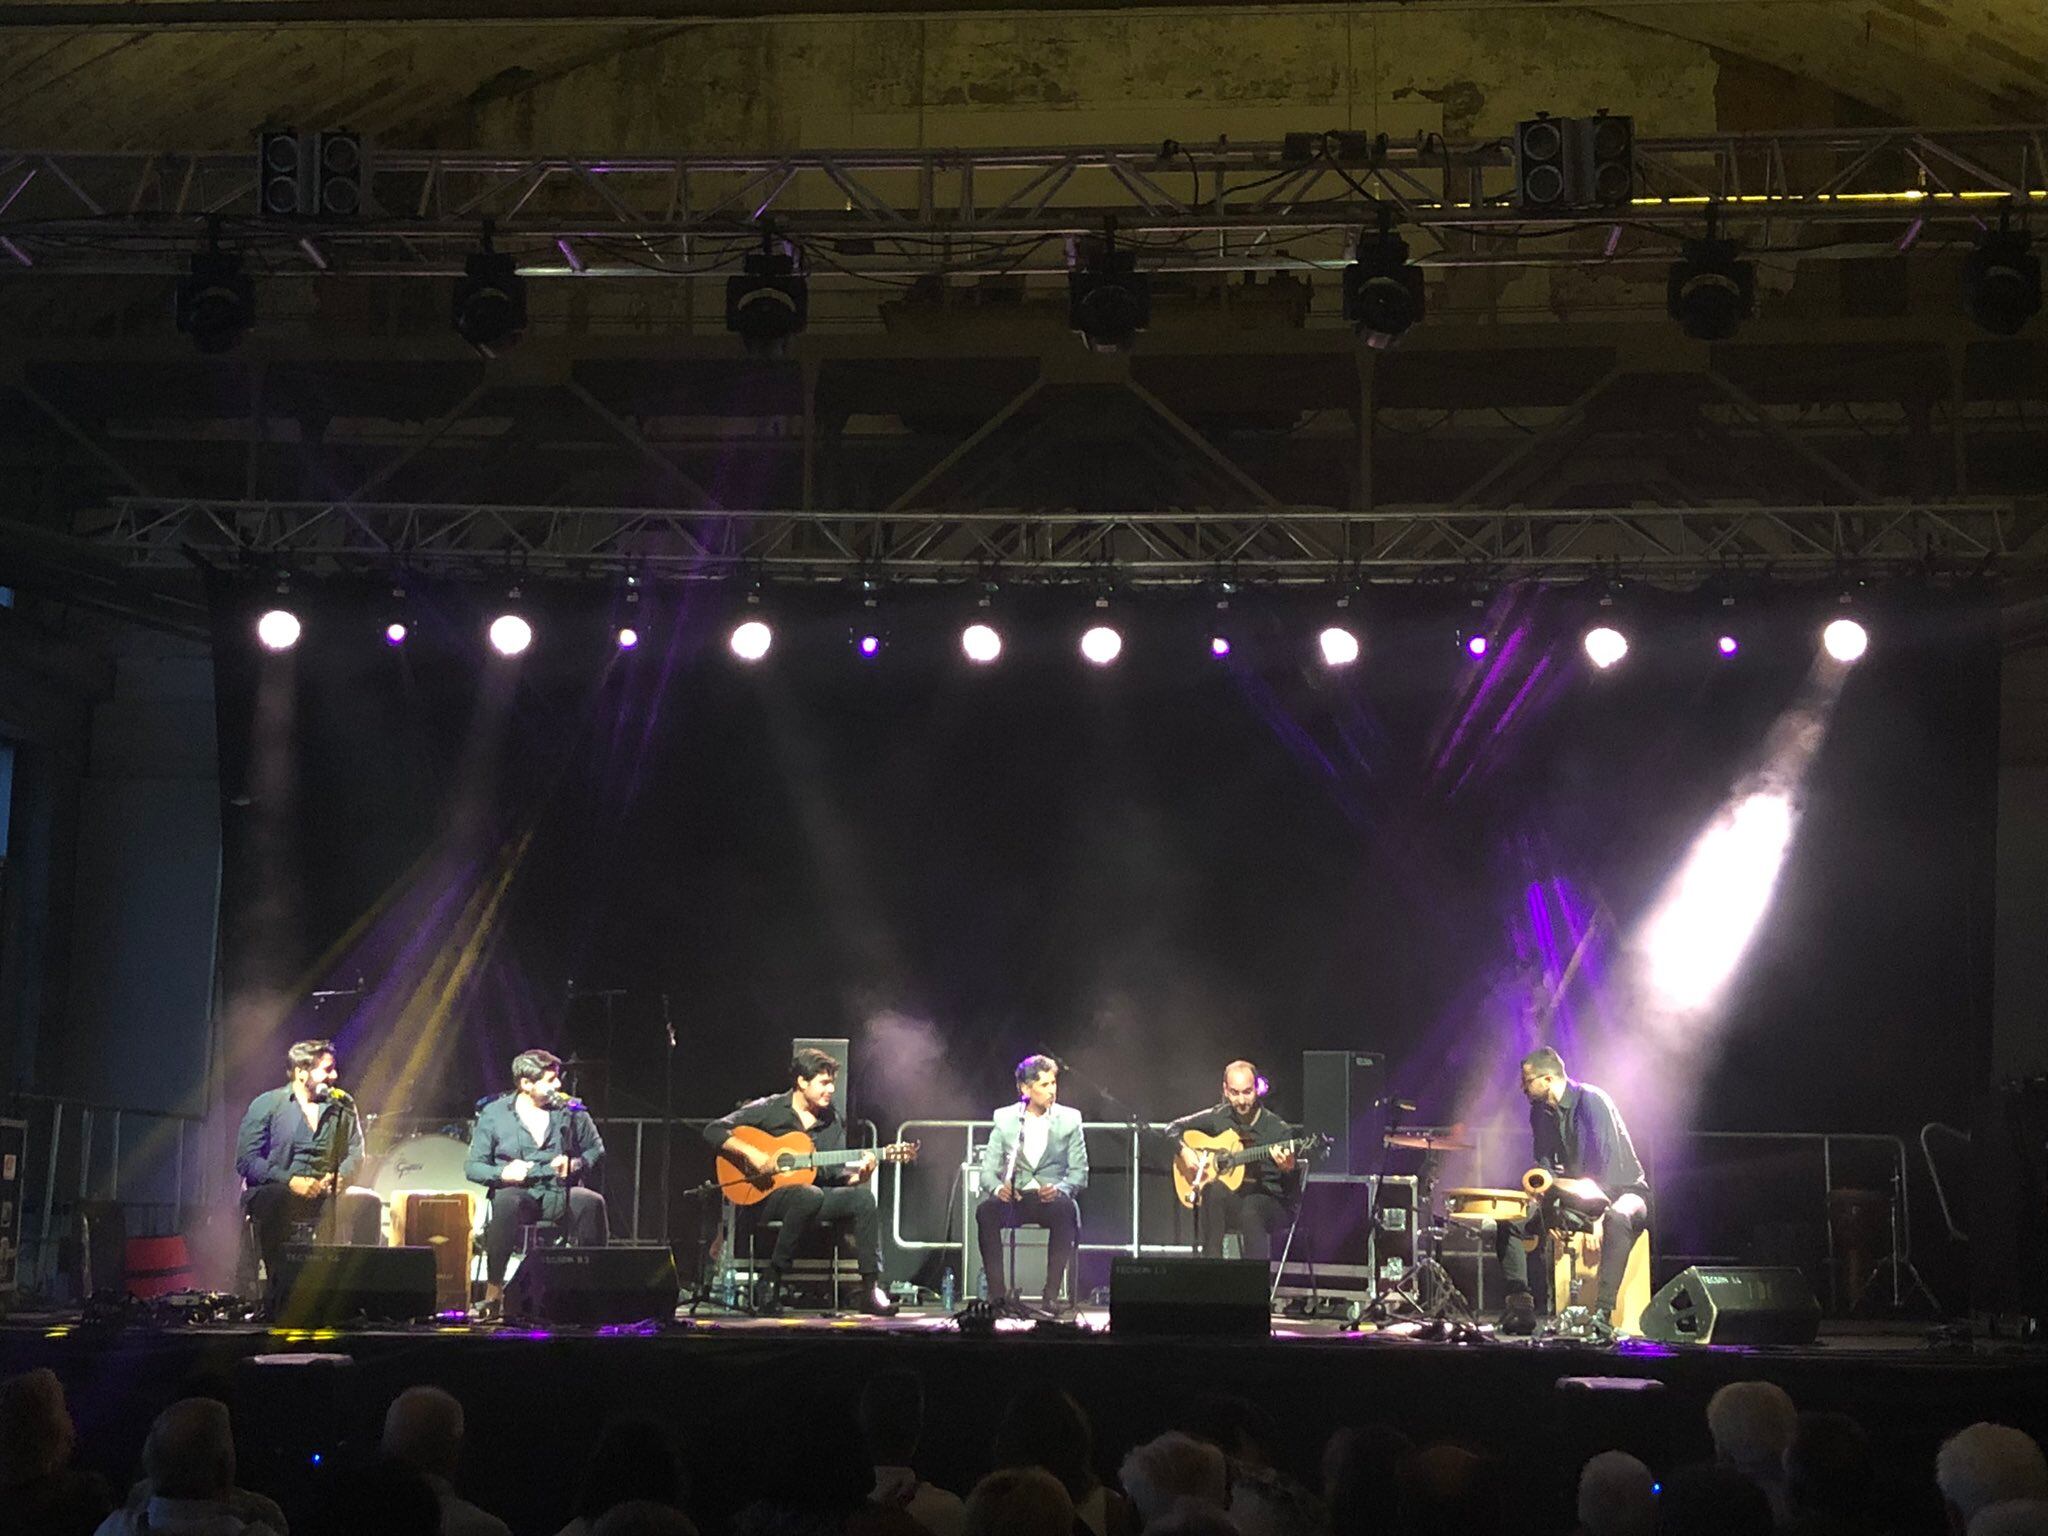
(1446, 1490)
(1617, 1496)
(1358, 1465)
(1045, 1427)
(1244, 1431)
(892, 1416)
(1712, 1501)
(1173, 1467)
(423, 1429)
(35, 1426)
(1019, 1501)
(635, 1462)
(1192, 1517)
(644, 1517)
(1752, 1424)
(1828, 1470)
(2011, 1517)
(1988, 1464)
(1264, 1502)
(190, 1452)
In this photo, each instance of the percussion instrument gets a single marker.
(1470, 1207)
(430, 1163)
(1418, 1139)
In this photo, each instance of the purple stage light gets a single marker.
(1727, 645)
(628, 637)
(870, 645)
(394, 633)
(1476, 646)
(1219, 645)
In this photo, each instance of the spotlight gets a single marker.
(1709, 292)
(1108, 299)
(2002, 279)
(1382, 288)
(217, 303)
(1339, 646)
(1219, 646)
(510, 634)
(769, 302)
(278, 629)
(750, 639)
(394, 633)
(981, 643)
(1728, 645)
(869, 645)
(1102, 645)
(1605, 645)
(1475, 645)
(489, 309)
(627, 637)
(1845, 640)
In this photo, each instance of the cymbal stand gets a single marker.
(1446, 1302)
(1899, 1261)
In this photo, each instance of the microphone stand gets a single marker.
(668, 1115)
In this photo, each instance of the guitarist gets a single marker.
(1264, 1204)
(840, 1195)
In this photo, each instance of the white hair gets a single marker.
(190, 1452)
(423, 1429)
(1616, 1496)
(1752, 1423)
(2011, 1517)
(1989, 1464)
(1174, 1466)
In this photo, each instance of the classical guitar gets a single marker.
(1221, 1159)
(797, 1161)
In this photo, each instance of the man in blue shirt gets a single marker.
(532, 1149)
(296, 1150)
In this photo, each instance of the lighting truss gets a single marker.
(1293, 545)
(904, 212)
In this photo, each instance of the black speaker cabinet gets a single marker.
(325, 1285)
(1189, 1296)
(1340, 1097)
(1716, 1304)
(589, 1287)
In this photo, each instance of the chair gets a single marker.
(756, 1236)
(1575, 1277)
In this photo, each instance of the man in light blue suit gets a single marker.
(1035, 1163)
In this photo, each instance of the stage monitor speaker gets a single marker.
(841, 1051)
(590, 1287)
(1340, 1097)
(329, 1284)
(1720, 1304)
(1190, 1296)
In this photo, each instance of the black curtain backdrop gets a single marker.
(1147, 869)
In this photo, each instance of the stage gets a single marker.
(301, 1395)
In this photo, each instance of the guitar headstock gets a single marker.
(899, 1152)
(1314, 1148)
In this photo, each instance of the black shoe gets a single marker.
(1518, 1316)
(1598, 1329)
(768, 1295)
(1059, 1311)
(875, 1301)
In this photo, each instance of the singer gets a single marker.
(532, 1149)
(296, 1149)
(1035, 1163)
(1265, 1202)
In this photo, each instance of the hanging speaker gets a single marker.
(1719, 1304)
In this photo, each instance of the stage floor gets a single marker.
(299, 1395)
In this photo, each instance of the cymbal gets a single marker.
(1425, 1141)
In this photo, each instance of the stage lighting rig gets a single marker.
(2002, 279)
(1383, 293)
(278, 629)
(217, 302)
(310, 175)
(1108, 299)
(1710, 290)
(489, 309)
(770, 301)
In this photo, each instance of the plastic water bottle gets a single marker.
(729, 1288)
(946, 1289)
(981, 1285)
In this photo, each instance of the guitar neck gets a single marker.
(834, 1159)
(1270, 1150)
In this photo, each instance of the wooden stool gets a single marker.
(1575, 1277)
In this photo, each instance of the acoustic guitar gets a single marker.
(797, 1161)
(1222, 1158)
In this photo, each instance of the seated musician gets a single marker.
(841, 1196)
(533, 1149)
(1580, 1138)
(1035, 1163)
(297, 1147)
(1265, 1202)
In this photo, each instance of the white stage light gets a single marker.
(1845, 640)
(1102, 645)
(751, 639)
(981, 643)
(278, 630)
(1605, 646)
(1339, 646)
(510, 634)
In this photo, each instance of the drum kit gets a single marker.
(427, 1159)
(1465, 1206)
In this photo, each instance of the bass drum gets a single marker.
(427, 1164)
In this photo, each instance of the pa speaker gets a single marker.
(1714, 1304)
(324, 1285)
(589, 1287)
(1189, 1296)
(1343, 1096)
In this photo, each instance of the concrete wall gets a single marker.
(2019, 1007)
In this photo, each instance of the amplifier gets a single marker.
(589, 1287)
(1720, 1304)
(324, 1285)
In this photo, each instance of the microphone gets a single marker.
(328, 1091)
(1406, 1106)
